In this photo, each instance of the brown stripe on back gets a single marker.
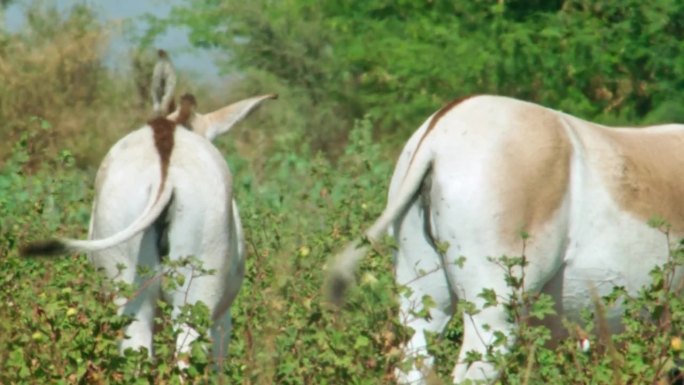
(163, 130)
(434, 120)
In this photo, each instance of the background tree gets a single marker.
(401, 60)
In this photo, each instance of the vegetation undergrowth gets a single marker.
(57, 321)
(311, 172)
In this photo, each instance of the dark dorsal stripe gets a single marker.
(434, 120)
(163, 130)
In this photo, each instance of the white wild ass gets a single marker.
(482, 170)
(164, 191)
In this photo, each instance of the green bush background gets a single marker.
(355, 78)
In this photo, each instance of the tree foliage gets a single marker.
(401, 60)
(53, 67)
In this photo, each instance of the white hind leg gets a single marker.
(419, 269)
(222, 327)
(479, 273)
(196, 288)
(215, 280)
(140, 251)
(220, 335)
(479, 332)
(142, 306)
(109, 216)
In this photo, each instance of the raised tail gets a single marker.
(149, 215)
(344, 265)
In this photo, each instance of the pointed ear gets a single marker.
(174, 115)
(186, 110)
(184, 113)
(222, 120)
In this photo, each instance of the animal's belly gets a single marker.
(583, 288)
(606, 249)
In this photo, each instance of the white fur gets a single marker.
(163, 85)
(202, 221)
(588, 244)
(218, 122)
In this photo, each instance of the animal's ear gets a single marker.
(174, 115)
(186, 110)
(163, 84)
(222, 120)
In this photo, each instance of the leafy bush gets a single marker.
(283, 332)
(58, 323)
(398, 61)
(311, 172)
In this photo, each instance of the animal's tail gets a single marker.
(344, 264)
(154, 208)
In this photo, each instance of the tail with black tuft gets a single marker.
(344, 265)
(48, 247)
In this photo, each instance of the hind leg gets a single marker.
(205, 289)
(213, 277)
(479, 332)
(220, 335)
(142, 306)
(142, 309)
(484, 328)
(216, 290)
(121, 264)
(419, 269)
(222, 327)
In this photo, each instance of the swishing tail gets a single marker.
(344, 265)
(154, 208)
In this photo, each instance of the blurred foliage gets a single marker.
(53, 68)
(398, 61)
